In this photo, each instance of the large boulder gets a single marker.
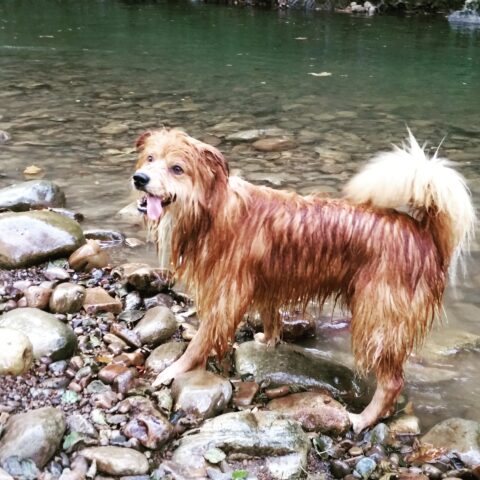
(280, 442)
(28, 238)
(48, 335)
(32, 194)
(33, 435)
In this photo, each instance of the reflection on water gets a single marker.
(82, 80)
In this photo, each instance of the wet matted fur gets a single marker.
(241, 247)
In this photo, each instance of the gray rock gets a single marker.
(274, 144)
(78, 423)
(316, 411)
(34, 435)
(34, 193)
(290, 364)
(28, 238)
(442, 344)
(156, 326)
(201, 394)
(164, 355)
(16, 352)
(457, 435)
(281, 443)
(37, 296)
(117, 460)
(405, 425)
(48, 335)
(4, 137)
(251, 135)
(4, 475)
(365, 467)
(67, 298)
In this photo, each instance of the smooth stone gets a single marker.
(148, 280)
(67, 298)
(156, 326)
(274, 144)
(16, 352)
(48, 335)
(290, 364)
(4, 475)
(78, 423)
(28, 238)
(98, 300)
(117, 460)
(4, 136)
(457, 435)
(442, 344)
(316, 411)
(200, 393)
(255, 134)
(130, 214)
(164, 355)
(89, 256)
(365, 467)
(245, 393)
(38, 297)
(114, 128)
(32, 194)
(405, 425)
(34, 435)
(279, 442)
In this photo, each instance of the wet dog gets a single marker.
(241, 247)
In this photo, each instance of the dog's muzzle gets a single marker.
(140, 180)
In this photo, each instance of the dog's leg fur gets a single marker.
(272, 326)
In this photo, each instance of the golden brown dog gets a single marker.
(241, 247)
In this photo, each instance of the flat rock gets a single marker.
(32, 194)
(254, 134)
(275, 144)
(280, 442)
(130, 214)
(98, 300)
(67, 298)
(34, 435)
(16, 352)
(200, 393)
(316, 411)
(117, 460)
(28, 238)
(114, 128)
(164, 355)
(48, 335)
(156, 326)
(293, 365)
(457, 435)
(37, 296)
(446, 342)
(405, 425)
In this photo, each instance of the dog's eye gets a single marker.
(177, 169)
(150, 159)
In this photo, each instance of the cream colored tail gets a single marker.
(408, 177)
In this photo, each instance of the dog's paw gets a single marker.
(358, 422)
(259, 337)
(164, 378)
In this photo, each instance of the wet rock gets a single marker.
(133, 301)
(146, 279)
(3, 474)
(457, 435)
(159, 300)
(78, 423)
(114, 128)
(251, 135)
(449, 342)
(32, 194)
(378, 435)
(130, 214)
(98, 300)
(405, 425)
(316, 411)
(16, 352)
(67, 298)
(21, 469)
(117, 460)
(56, 273)
(109, 373)
(280, 442)
(148, 425)
(290, 364)
(106, 238)
(201, 394)
(340, 469)
(156, 326)
(365, 467)
(129, 336)
(37, 297)
(164, 355)
(32, 237)
(275, 144)
(245, 393)
(48, 335)
(89, 256)
(296, 327)
(4, 137)
(34, 435)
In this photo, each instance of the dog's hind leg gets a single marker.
(272, 326)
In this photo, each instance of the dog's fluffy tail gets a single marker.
(428, 186)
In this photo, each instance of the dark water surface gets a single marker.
(68, 69)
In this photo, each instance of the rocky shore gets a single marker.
(81, 340)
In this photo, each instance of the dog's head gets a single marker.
(177, 171)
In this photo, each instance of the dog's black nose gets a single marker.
(140, 180)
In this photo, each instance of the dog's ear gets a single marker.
(215, 160)
(140, 143)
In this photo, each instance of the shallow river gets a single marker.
(80, 80)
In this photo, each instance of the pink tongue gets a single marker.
(154, 207)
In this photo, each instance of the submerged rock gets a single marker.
(34, 435)
(316, 411)
(117, 460)
(48, 335)
(457, 435)
(275, 144)
(280, 442)
(32, 194)
(28, 238)
(201, 394)
(16, 352)
(255, 134)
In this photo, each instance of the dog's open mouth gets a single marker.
(153, 206)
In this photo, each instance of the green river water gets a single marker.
(70, 68)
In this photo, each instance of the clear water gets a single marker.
(70, 68)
